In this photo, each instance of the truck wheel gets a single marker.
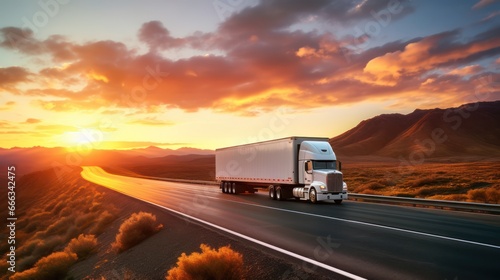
(338, 201)
(272, 192)
(312, 195)
(279, 194)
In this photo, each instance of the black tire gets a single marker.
(226, 187)
(338, 201)
(312, 195)
(279, 193)
(223, 187)
(272, 192)
(233, 188)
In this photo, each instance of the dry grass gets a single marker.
(83, 246)
(135, 229)
(220, 264)
(54, 266)
(473, 181)
(59, 214)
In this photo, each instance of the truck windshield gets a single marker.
(324, 164)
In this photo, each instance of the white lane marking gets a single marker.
(286, 252)
(358, 222)
(367, 224)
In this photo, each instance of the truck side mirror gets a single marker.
(308, 167)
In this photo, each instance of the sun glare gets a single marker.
(86, 137)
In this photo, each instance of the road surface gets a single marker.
(353, 240)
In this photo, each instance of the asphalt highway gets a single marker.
(352, 240)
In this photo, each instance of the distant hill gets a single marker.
(28, 160)
(155, 152)
(471, 130)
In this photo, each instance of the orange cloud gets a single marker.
(467, 70)
(151, 121)
(10, 76)
(7, 106)
(32, 121)
(427, 54)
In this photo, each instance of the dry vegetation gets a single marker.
(473, 181)
(221, 264)
(59, 219)
(135, 229)
(53, 266)
(57, 264)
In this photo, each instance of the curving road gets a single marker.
(353, 240)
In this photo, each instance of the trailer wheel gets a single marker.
(279, 194)
(233, 188)
(312, 195)
(338, 201)
(226, 187)
(272, 192)
(222, 187)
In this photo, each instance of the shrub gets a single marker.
(105, 218)
(135, 229)
(484, 195)
(83, 246)
(53, 266)
(223, 263)
(374, 186)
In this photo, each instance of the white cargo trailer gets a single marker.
(304, 168)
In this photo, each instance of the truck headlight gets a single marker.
(322, 187)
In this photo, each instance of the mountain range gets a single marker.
(470, 130)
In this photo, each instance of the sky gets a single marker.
(209, 74)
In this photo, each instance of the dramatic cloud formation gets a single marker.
(13, 75)
(292, 53)
(432, 52)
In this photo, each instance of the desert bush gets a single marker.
(41, 216)
(59, 227)
(48, 245)
(135, 229)
(83, 246)
(58, 207)
(485, 195)
(85, 220)
(374, 186)
(67, 211)
(105, 218)
(27, 248)
(223, 263)
(455, 197)
(54, 266)
(425, 181)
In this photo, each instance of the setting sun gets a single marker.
(87, 137)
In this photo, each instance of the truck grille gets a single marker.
(334, 182)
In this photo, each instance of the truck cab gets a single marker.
(320, 173)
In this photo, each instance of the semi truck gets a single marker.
(303, 168)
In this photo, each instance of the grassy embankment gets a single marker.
(471, 181)
(61, 219)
